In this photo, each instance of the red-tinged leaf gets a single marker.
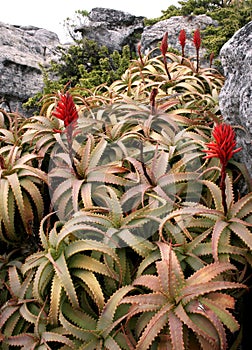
(224, 315)
(168, 255)
(243, 207)
(6, 313)
(218, 230)
(27, 340)
(156, 324)
(227, 301)
(176, 331)
(242, 232)
(146, 299)
(194, 291)
(148, 281)
(14, 280)
(204, 344)
(208, 272)
(144, 310)
(207, 319)
(164, 342)
(183, 316)
(170, 282)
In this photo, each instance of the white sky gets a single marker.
(51, 14)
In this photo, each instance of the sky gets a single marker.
(51, 14)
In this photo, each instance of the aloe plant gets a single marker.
(21, 184)
(176, 305)
(63, 261)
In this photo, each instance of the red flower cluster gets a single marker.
(197, 39)
(182, 39)
(164, 44)
(66, 110)
(224, 147)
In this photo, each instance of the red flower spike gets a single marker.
(197, 42)
(164, 44)
(66, 110)
(224, 145)
(182, 39)
(197, 39)
(164, 48)
(224, 149)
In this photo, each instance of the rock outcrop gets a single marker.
(112, 28)
(236, 95)
(152, 35)
(23, 49)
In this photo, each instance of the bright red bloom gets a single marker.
(66, 110)
(182, 38)
(224, 145)
(164, 44)
(197, 39)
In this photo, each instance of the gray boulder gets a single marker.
(23, 51)
(236, 96)
(112, 28)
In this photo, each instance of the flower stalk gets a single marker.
(153, 95)
(140, 54)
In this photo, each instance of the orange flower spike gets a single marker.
(224, 145)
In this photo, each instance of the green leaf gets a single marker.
(108, 312)
(55, 298)
(59, 338)
(225, 316)
(16, 189)
(63, 273)
(93, 285)
(156, 324)
(242, 232)
(218, 230)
